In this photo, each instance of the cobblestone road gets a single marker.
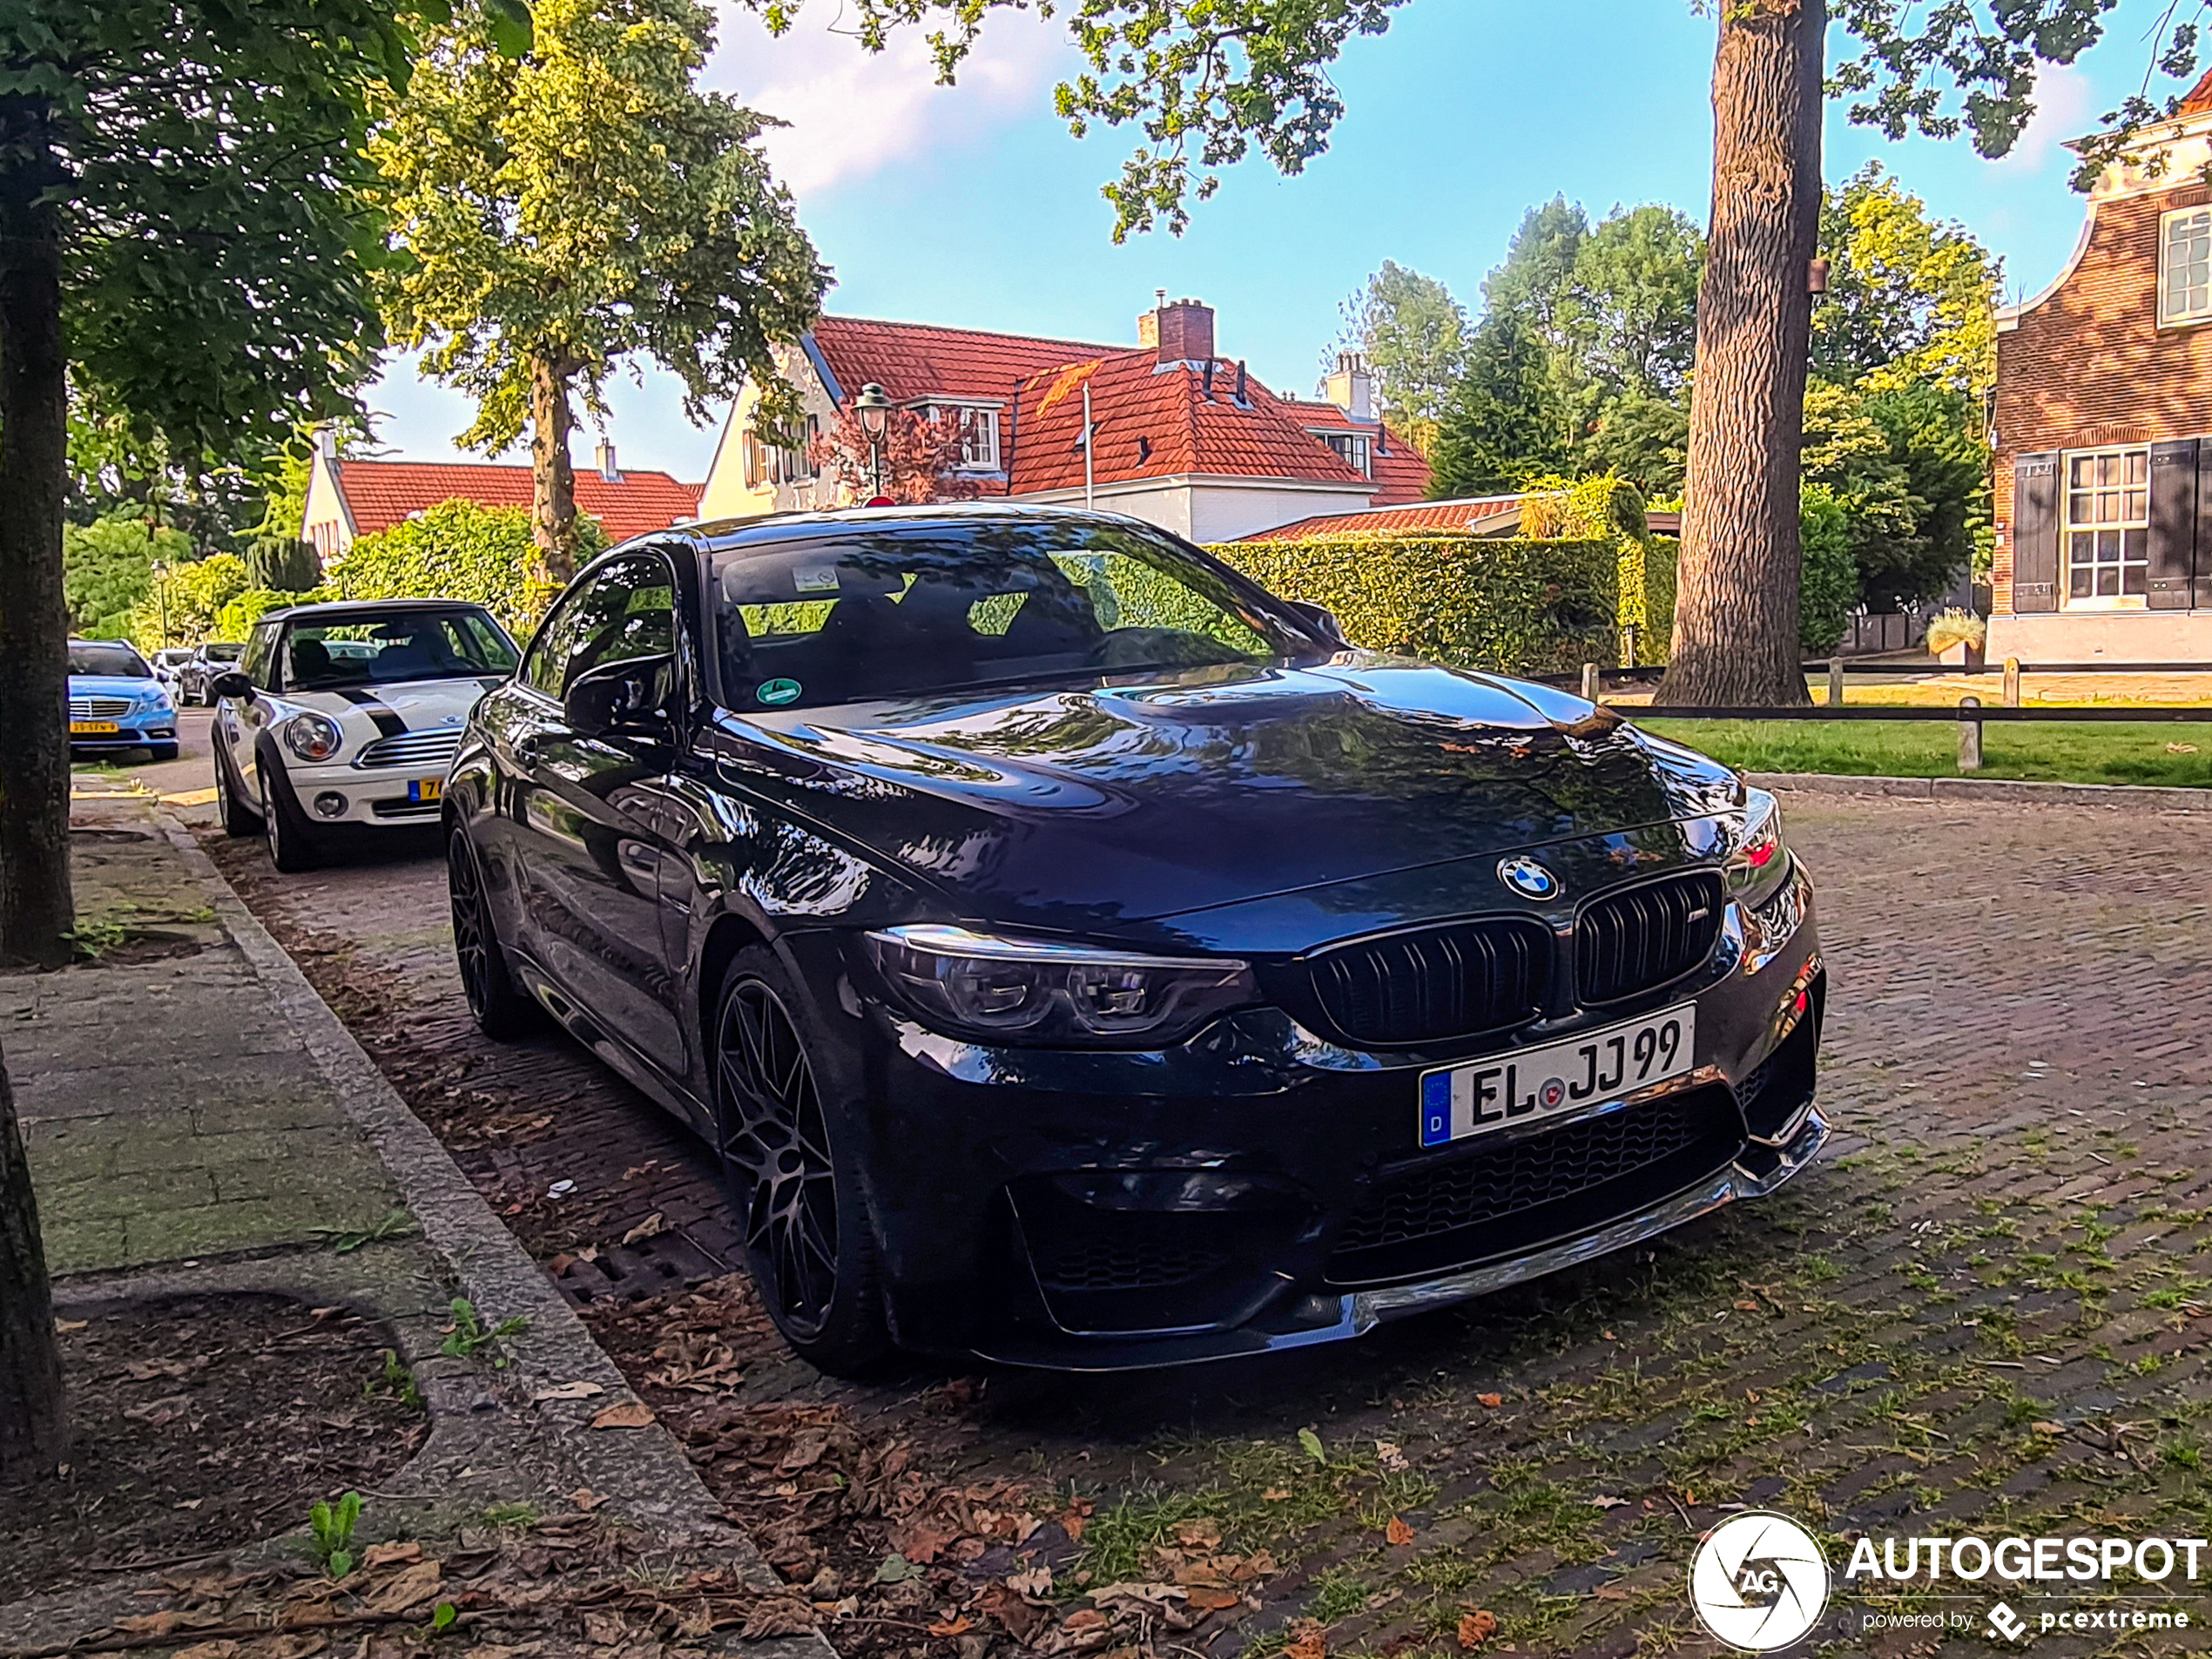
(1989, 1309)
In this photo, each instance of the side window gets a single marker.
(260, 657)
(625, 610)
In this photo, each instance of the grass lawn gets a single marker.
(2122, 752)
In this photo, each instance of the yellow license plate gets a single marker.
(93, 728)
(425, 789)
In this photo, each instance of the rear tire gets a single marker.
(501, 1010)
(292, 844)
(780, 1081)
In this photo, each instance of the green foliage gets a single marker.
(1828, 587)
(1609, 506)
(192, 597)
(1909, 300)
(284, 564)
(1630, 313)
(1956, 627)
(1504, 423)
(1310, 1443)
(107, 572)
(1413, 335)
(396, 1383)
(469, 1333)
(1911, 479)
(236, 619)
(457, 550)
(1514, 604)
(332, 1530)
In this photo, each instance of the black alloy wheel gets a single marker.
(499, 1007)
(806, 1232)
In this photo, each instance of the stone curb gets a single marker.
(2144, 798)
(642, 1472)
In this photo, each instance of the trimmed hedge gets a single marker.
(1514, 604)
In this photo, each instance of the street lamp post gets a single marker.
(874, 410)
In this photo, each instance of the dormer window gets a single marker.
(979, 449)
(2185, 265)
(1352, 447)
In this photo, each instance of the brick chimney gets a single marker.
(1351, 388)
(1184, 331)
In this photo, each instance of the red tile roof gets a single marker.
(379, 494)
(1476, 515)
(1400, 471)
(911, 361)
(1153, 420)
(2198, 98)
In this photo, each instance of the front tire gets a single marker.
(238, 818)
(778, 1082)
(291, 846)
(501, 1010)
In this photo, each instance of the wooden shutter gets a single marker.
(2203, 519)
(2173, 524)
(2036, 533)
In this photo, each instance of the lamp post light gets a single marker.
(874, 410)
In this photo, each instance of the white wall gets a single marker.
(2103, 636)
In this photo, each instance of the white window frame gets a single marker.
(2097, 524)
(980, 447)
(1364, 442)
(2167, 317)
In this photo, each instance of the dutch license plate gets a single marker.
(93, 728)
(421, 789)
(1530, 1083)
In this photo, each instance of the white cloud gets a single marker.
(852, 112)
(2065, 107)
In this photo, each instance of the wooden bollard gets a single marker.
(1835, 681)
(1589, 681)
(2012, 682)
(1970, 734)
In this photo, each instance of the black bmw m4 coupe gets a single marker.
(1080, 957)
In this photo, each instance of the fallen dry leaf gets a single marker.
(605, 1630)
(1275, 1494)
(208, 1650)
(569, 1391)
(780, 1616)
(387, 1555)
(1492, 1401)
(1201, 1533)
(586, 1500)
(1036, 1581)
(651, 1227)
(1747, 1306)
(2048, 1428)
(951, 1628)
(1477, 1626)
(1312, 1642)
(1611, 1593)
(1397, 1531)
(404, 1593)
(1211, 1599)
(67, 1325)
(630, 1414)
(1390, 1456)
(1083, 1618)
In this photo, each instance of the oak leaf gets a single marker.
(1397, 1531)
(631, 1413)
(1477, 1626)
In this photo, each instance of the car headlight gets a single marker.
(1007, 990)
(313, 737)
(1758, 862)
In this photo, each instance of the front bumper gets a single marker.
(371, 795)
(133, 731)
(1259, 1190)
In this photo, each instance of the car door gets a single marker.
(239, 720)
(584, 817)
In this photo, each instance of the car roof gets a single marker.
(723, 535)
(366, 607)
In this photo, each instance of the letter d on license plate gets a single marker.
(1560, 1078)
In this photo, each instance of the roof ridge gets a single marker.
(1092, 346)
(516, 466)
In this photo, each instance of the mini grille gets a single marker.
(97, 708)
(1634, 941)
(426, 750)
(1436, 983)
(1468, 1191)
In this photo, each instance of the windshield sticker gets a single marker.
(775, 692)
(814, 578)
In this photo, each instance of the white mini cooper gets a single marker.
(348, 714)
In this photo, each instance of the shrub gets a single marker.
(1956, 627)
(190, 599)
(1514, 605)
(107, 574)
(1828, 584)
(457, 550)
(236, 619)
(283, 563)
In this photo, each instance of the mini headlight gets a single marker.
(1759, 860)
(313, 737)
(1032, 993)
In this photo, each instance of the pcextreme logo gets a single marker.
(1759, 1582)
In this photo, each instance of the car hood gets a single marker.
(1078, 809)
(111, 685)
(417, 704)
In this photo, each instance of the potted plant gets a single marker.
(1958, 638)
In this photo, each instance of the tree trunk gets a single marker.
(32, 1425)
(552, 477)
(36, 910)
(1735, 609)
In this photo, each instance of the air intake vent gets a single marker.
(1634, 941)
(1436, 983)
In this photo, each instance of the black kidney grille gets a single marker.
(1632, 941)
(1540, 1169)
(1439, 983)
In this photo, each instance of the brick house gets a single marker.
(1181, 436)
(349, 499)
(2103, 422)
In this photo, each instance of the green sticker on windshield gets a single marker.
(773, 692)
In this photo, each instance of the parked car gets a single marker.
(1079, 957)
(217, 657)
(115, 702)
(168, 666)
(342, 716)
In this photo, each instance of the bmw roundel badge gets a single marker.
(1526, 877)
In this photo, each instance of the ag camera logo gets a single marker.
(1759, 1582)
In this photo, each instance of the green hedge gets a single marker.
(1514, 604)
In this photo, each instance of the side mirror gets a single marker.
(1324, 620)
(232, 684)
(622, 698)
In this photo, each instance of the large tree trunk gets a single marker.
(552, 477)
(32, 1425)
(36, 907)
(1736, 611)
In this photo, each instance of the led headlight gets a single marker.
(1009, 990)
(313, 737)
(1758, 862)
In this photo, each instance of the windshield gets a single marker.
(119, 661)
(221, 653)
(381, 648)
(932, 608)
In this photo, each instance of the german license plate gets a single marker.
(93, 728)
(1531, 1083)
(421, 789)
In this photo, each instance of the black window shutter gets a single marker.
(2035, 532)
(2173, 524)
(2203, 519)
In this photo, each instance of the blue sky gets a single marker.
(973, 206)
